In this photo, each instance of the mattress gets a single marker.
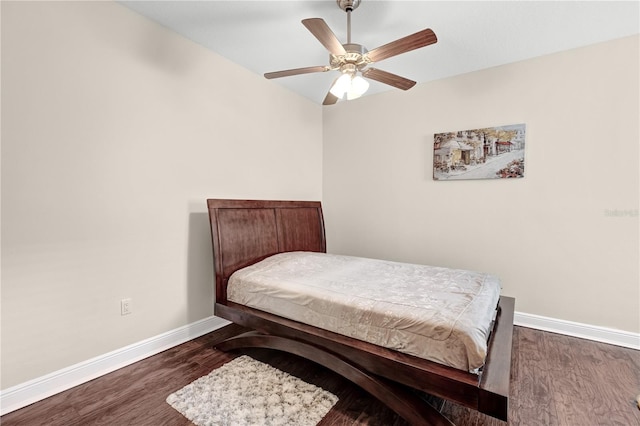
(440, 314)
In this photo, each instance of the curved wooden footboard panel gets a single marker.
(405, 403)
(488, 394)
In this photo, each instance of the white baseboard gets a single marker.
(576, 329)
(40, 388)
(20, 396)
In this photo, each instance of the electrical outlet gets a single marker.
(126, 306)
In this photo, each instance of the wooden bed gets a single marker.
(247, 231)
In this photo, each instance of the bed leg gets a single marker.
(405, 403)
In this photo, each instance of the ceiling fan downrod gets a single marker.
(348, 6)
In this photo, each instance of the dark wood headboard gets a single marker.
(244, 232)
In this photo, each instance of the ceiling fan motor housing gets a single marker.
(355, 56)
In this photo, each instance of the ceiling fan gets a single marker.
(352, 58)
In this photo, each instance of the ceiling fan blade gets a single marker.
(296, 71)
(330, 99)
(405, 44)
(323, 33)
(389, 78)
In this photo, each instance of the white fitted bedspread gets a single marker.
(440, 314)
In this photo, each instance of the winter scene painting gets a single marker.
(488, 153)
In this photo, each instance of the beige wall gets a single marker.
(114, 132)
(550, 236)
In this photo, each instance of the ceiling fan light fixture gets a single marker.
(352, 86)
(358, 88)
(341, 86)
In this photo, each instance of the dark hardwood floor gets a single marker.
(555, 380)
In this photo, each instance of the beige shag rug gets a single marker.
(246, 392)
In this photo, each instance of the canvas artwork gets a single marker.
(487, 153)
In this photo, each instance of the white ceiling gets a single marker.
(265, 36)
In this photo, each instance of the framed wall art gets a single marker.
(486, 153)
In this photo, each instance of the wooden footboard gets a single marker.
(488, 393)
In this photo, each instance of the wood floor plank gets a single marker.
(514, 388)
(611, 377)
(555, 380)
(534, 405)
(572, 394)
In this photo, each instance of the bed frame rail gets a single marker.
(488, 393)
